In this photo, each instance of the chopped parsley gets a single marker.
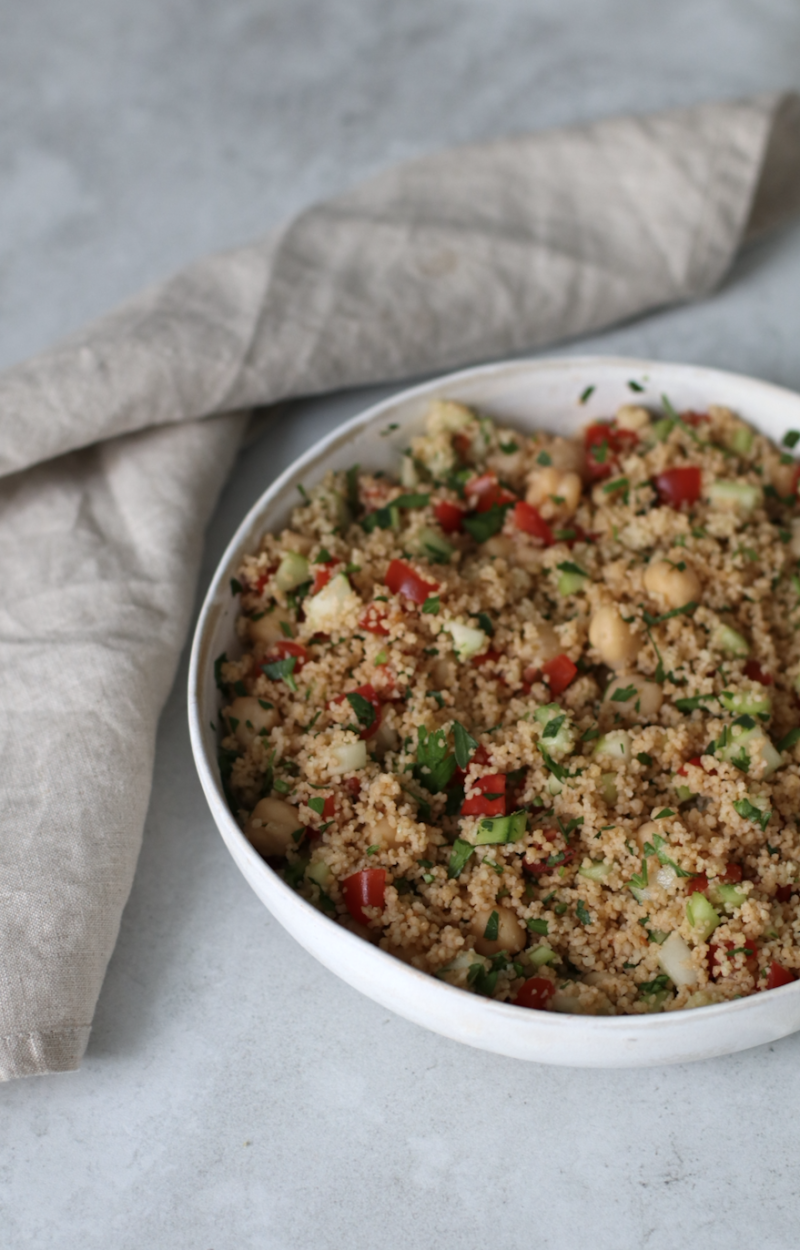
(492, 927)
(465, 745)
(484, 622)
(586, 395)
(749, 811)
(789, 740)
(665, 811)
(435, 764)
(282, 670)
(364, 710)
(508, 449)
(686, 610)
(635, 386)
(458, 858)
(567, 566)
(431, 606)
(484, 525)
(791, 438)
(582, 912)
(624, 694)
(645, 759)
(538, 926)
(544, 458)
(236, 586)
(317, 805)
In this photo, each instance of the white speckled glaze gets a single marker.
(528, 394)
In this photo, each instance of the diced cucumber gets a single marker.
(730, 896)
(571, 583)
(350, 756)
(675, 958)
(433, 545)
(615, 746)
(742, 496)
(319, 872)
(409, 476)
(541, 955)
(683, 793)
(702, 916)
(293, 570)
(608, 788)
(744, 743)
(467, 641)
(741, 439)
(596, 871)
(554, 786)
(325, 610)
(558, 731)
(455, 971)
(494, 830)
(746, 702)
(729, 641)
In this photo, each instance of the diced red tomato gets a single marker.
(716, 953)
(784, 892)
(449, 516)
(560, 672)
(367, 692)
(485, 491)
(463, 445)
(372, 620)
(329, 807)
(536, 993)
(564, 856)
(755, 672)
(778, 975)
(323, 572)
(697, 884)
(528, 519)
(263, 578)
(353, 784)
(679, 486)
(732, 874)
(481, 804)
(402, 580)
(695, 760)
(282, 649)
(694, 418)
(364, 889)
(602, 445)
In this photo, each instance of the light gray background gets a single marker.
(235, 1094)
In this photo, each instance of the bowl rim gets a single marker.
(553, 1022)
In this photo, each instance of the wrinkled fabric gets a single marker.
(114, 445)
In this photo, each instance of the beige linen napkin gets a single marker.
(113, 447)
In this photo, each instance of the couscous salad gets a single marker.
(527, 715)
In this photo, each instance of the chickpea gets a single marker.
(386, 739)
(252, 718)
(632, 417)
(384, 834)
(648, 695)
(443, 673)
(267, 629)
(271, 825)
(498, 545)
(612, 638)
(511, 932)
(677, 586)
(646, 832)
(567, 454)
(554, 493)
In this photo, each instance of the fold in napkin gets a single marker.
(113, 447)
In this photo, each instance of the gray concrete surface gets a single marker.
(235, 1094)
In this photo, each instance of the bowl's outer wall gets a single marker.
(541, 394)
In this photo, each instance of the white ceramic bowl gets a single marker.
(528, 394)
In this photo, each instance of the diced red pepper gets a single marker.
(485, 491)
(449, 516)
(694, 418)
(402, 580)
(600, 447)
(679, 486)
(487, 658)
(353, 784)
(755, 672)
(697, 761)
(560, 672)
(784, 892)
(529, 520)
(364, 889)
(536, 993)
(732, 874)
(282, 649)
(697, 884)
(263, 578)
(329, 807)
(717, 952)
(564, 856)
(482, 804)
(778, 976)
(463, 445)
(372, 620)
(367, 692)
